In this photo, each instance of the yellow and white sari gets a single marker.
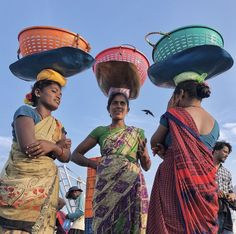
(29, 187)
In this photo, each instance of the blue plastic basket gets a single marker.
(182, 39)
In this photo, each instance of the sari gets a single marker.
(120, 201)
(184, 197)
(29, 187)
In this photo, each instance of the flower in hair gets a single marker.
(28, 99)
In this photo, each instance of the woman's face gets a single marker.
(50, 96)
(118, 108)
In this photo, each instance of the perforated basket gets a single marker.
(126, 54)
(182, 39)
(42, 38)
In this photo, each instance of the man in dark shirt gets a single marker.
(227, 198)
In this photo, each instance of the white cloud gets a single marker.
(228, 132)
(5, 145)
(229, 125)
(5, 142)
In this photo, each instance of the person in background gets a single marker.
(227, 198)
(76, 217)
(120, 201)
(60, 217)
(184, 197)
(29, 184)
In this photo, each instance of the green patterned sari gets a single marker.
(120, 199)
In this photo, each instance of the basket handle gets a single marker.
(77, 38)
(151, 33)
(133, 47)
(122, 45)
(18, 53)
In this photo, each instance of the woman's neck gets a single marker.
(191, 104)
(116, 124)
(43, 112)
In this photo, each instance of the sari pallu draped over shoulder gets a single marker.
(29, 187)
(120, 201)
(184, 198)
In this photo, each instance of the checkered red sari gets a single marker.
(184, 198)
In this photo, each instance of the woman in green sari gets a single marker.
(120, 201)
(29, 183)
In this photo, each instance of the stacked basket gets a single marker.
(45, 47)
(192, 48)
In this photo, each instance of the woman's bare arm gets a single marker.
(78, 154)
(25, 134)
(159, 136)
(158, 139)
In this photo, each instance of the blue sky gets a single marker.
(106, 24)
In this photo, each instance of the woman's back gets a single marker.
(203, 120)
(207, 126)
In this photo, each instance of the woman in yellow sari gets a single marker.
(120, 201)
(29, 181)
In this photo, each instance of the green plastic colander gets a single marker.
(183, 38)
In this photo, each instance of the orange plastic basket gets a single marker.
(42, 38)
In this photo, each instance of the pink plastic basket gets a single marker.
(125, 53)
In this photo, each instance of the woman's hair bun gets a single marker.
(203, 90)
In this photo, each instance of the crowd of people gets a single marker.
(192, 191)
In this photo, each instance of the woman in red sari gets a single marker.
(184, 198)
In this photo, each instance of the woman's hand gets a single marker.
(173, 102)
(65, 143)
(159, 149)
(141, 147)
(143, 156)
(39, 148)
(176, 99)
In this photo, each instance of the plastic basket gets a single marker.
(182, 39)
(126, 54)
(42, 38)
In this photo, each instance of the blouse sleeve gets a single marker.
(142, 134)
(164, 121)
(26, 111)
(96, 133)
